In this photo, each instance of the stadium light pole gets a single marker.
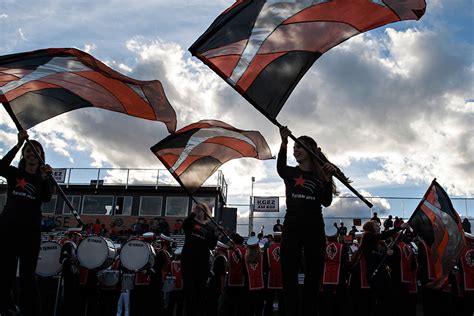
(251, 207)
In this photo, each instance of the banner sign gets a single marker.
(59, 175)
(266, 204)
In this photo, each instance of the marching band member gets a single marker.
(110, 288)
(274, 277)
(70, 271)
(161, 270)
(373, 250)
(200, 237)
(334, 278)
(254, 276)
(403, 265)
(28, 187)
(175, 303)
(309, 186)
(216, 283)
(467, 273)
(235, 292)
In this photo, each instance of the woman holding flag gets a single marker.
(200, 238)
(28, 188)
(309, 186)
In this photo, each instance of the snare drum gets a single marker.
(48, 260)
(137, 255)
(96, 252)
(128, 281)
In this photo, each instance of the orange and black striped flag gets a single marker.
(196, 151)
(437, 222)
(44, 83)
(263, 48)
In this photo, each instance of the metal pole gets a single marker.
(251, 207)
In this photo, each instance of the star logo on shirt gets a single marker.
(21, 183)
(299, 181)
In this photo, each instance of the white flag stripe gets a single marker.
(204, 134)
(55, 65)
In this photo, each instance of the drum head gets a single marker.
(48, 260)
(330, 230)
(135, 254)
(93, 251)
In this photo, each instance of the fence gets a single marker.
(345, 209)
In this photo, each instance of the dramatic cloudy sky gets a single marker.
(393, 107)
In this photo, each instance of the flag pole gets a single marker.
(338, 173)
(390, 246)
(17, 123)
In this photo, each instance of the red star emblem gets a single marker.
(197, 226)
(299, 181)
(21, 183)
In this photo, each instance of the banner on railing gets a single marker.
(266, 204)
(59, 175)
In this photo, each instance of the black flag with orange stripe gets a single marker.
(437, 222)
(196, 151)
(263, 48)
(44, 83)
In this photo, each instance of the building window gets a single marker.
(123, 205)
(150, 205)
(97, 205)
(3, 200)
(75, 201)
(209, 200)
(177, 206)
(49, 207)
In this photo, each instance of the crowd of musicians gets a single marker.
(246, 279)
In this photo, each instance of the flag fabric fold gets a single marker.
(437, 222)
(195, 152)
(44, 83)
(263, 48)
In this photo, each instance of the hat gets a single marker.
(222, 245)
(239, 240)
(166, 238)
(178, 251)
(252, 241)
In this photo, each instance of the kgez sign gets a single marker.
(265, 204)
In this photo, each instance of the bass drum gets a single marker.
(137, 255)
(48, 260)
(96, 252)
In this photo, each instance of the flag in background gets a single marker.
(263, 48)
(437, 222)
(44, 83)
(196, 151)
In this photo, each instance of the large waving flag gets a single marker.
(262, 48)
(44, 83)
(193, 153)
(438, 223)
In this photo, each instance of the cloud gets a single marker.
(393, 101)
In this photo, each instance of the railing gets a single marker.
(129, 177)
(347, 208)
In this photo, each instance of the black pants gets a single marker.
(23, 249)
(295, 240)
(195, 273)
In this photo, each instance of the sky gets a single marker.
(393, 108)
